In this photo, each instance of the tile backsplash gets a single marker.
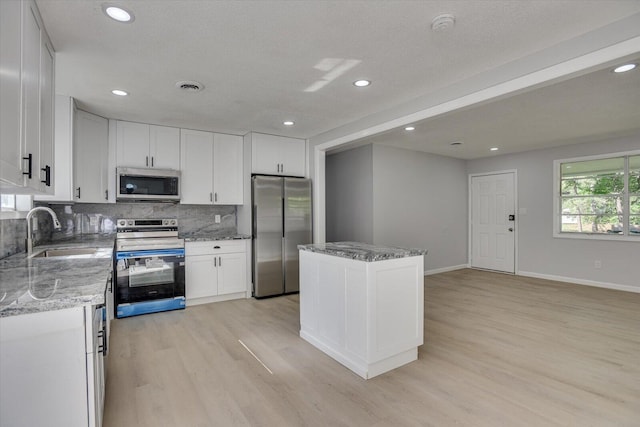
(98, 218)
(13, 234)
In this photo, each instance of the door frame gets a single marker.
(515, 208)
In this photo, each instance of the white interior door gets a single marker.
(492, 229)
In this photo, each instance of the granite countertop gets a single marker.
(362, 251)
(204, 237)
(32, 285)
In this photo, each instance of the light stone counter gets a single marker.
(32, 285)
(206, 237)
(361, 251)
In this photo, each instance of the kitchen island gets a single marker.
(363, 305)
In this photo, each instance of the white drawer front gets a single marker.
(214, 247)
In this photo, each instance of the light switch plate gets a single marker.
(217, 219)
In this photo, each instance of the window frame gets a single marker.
(22, 204)
(557, 200)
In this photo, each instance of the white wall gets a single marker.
(420, 200)
(539, 253)
(349, 195)
(390, 196)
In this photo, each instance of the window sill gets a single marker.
(12, 215)
(588, 236)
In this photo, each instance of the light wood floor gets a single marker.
(499, 351)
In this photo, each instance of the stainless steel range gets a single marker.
(149, 267)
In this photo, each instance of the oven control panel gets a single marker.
(141, 224)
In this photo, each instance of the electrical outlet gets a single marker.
(597, 264)
(217, 219)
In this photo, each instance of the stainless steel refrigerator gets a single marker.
(281, 221)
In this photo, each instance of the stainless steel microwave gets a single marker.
(138, 184)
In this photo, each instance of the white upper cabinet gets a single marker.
(47, 108)
(10, 88)
(227, 169)
(90, 158)
(132, 144)
(196, 157)
(277, 155)
(26, 113)
(147, 146)
(211, 166)
(62, 176)
(164, 147)
(31, 95)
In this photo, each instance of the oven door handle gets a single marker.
(149, 253)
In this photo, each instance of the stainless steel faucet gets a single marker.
(56, 225)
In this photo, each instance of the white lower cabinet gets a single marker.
(52, 368)
(216, 271)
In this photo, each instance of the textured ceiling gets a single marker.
(594, 106)
(266, 61)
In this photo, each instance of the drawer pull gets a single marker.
(216, 247)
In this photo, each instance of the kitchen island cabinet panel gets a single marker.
(367, 315)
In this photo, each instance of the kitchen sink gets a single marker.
(69, 253)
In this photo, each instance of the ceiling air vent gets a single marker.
(190, 86)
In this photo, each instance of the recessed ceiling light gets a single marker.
(623, 68)
(118, 13)
(362, 83)
(493, 148)
(288, 123)
(119, 92)
(410, 128)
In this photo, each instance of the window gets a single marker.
(14, 206)
(598, 197)
(7, 202)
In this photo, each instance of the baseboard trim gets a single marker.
(445, 269)
(576, 281)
